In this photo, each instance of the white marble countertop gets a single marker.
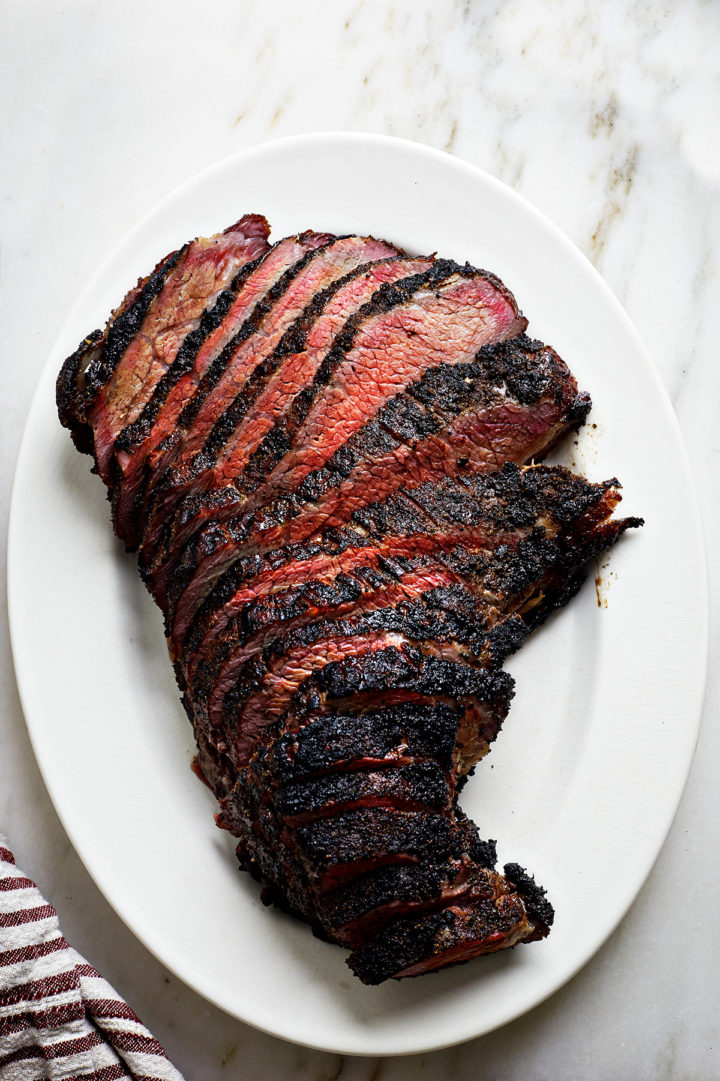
(606, 118)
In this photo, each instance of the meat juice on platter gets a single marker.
(324, 450)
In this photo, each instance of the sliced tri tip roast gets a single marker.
(325, 452)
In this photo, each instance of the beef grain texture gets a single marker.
(325, 451)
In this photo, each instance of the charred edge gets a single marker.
(512, 498)
(416, 786)
(538, 907)
(393, 294)
(381, 889)
(567, 575)
(578, 412)
(331, 741)
(358, 912)
(374, 833)
(67, 394)
(134, 434)
(295, 337)
(122, 330)
(261, 226)
(263, 307)
(455, 934)
(416, 622)
(409, 668)
(292, 341)
(529, 370)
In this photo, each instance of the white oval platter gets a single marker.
(588, 771)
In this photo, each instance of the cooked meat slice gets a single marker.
(319, 269)
(476, 587)
(510, 501)
(205, 455)
(456, 512)
(389, 676)
(511, 405)
(293, 517)
(350, 553)
(495, 917)
(336, 849)
(266, 684)
(259, 696)
(473, 514)
(381, 677)
(446, 318)
(277, 380)
(322, 854)
(326, 747)
(354, 902)
(147, 446)
(462, 616)
(360, 909)
(252, 633)
(299, 355)
(444, 315)
(121, 377)
(93, 362)
(336, 741)
(415, 787)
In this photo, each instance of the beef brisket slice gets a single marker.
(416, 786)
(493, 919)
(123, 379)
(95, 359)
(389, 676)
(412, 440)
(505, 538)
(281, 376)
(210, 426)
(335, 741)
(444, 315)
(335, 849)
(266, 684)
(511, 404)
(148, 446)
(359, 910)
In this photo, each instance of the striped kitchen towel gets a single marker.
(59, 1018)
